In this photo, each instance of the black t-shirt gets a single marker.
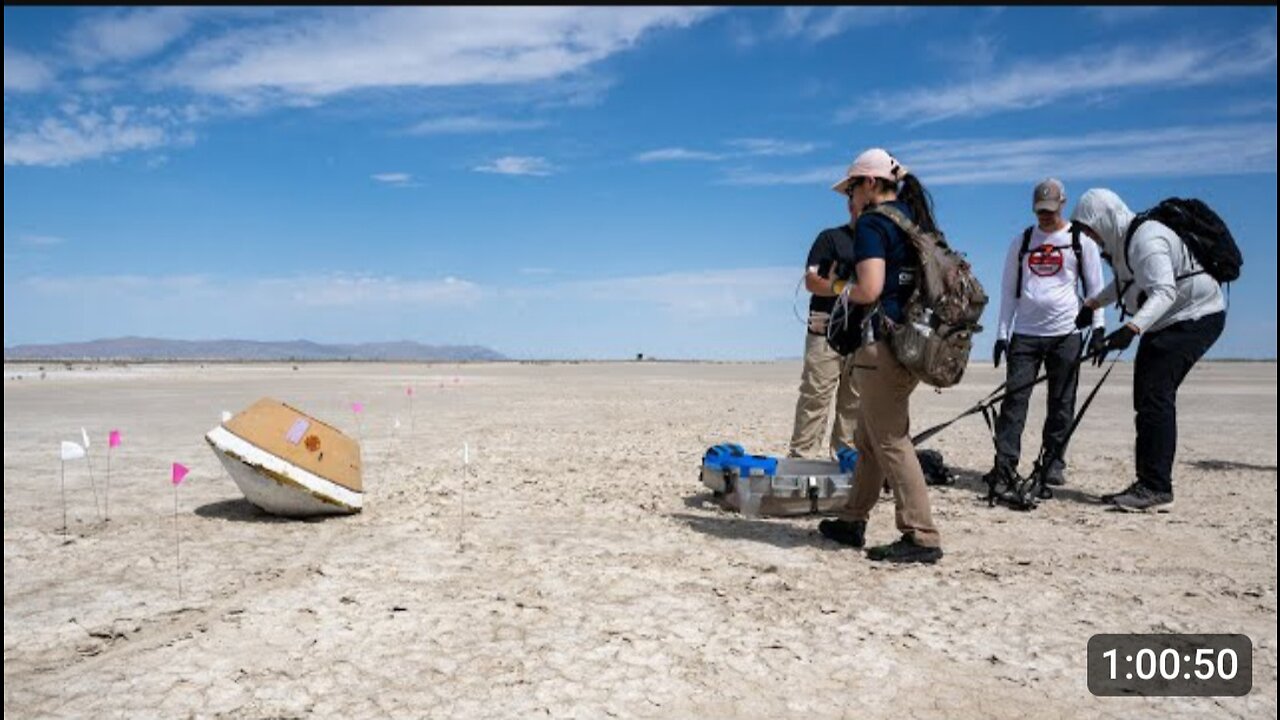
(832, 245)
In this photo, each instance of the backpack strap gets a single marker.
(907, 225)
(1022, 254)
(1078, 249)
(919, 242)
(1128, 239)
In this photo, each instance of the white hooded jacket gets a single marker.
(1157, 257)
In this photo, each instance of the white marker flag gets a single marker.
(84, 434)
(71, 450)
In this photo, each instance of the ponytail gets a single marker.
(919, 202)
(908, 189)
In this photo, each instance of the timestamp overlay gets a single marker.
(1156, 665)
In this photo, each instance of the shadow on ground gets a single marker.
(783, 532)
(241, 510)
(1213, 465)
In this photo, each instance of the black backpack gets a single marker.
(1076, 247)
(1201, 230)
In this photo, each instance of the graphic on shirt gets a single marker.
(1045, 261)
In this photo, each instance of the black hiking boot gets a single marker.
(1110, 497)
(1001, 470)
(1140, 498)
(845, 532)
(1055, 476)
(905, 550)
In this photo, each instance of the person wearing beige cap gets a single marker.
(1039, 301)
(826, 374)
(882, 280)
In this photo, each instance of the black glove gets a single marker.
(1001, 348)
(1118, 340)
(1096, 343)
(1085, 317)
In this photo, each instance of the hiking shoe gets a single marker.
(1110, 497)
(905, 550)
(845, 532)
(1001, 470)
(1055, 476)
(1141, 498)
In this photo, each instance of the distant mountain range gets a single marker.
(140, 348)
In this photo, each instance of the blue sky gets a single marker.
(583, 182)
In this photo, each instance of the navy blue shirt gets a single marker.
(876, 236)
(832, 245)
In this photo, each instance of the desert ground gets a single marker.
(581, 570)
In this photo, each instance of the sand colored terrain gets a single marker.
(584, 572)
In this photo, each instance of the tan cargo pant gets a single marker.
(884, 446)
(825, 373)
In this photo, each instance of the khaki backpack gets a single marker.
(941, 316)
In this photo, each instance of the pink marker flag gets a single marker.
(113, 440)
(409, 391)
(357, 407)
(179, 471)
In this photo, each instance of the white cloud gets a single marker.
(1158, 152)
(393, 178)
(462, 124)
(742, 34)
(41, 240)
(23, 72)
(708, 294)
(745, 147)
(98, 84)
(772, 147)
(299, 57)
(79, 134)
(122, 35)
(712, 292)
(676, 153)
(354, 48)
(665, 315)
(302, 292)
(816, 24)
(517, 165)
(809, 176)
(338, 290)
(1023, 86)
(1245, 108)
(973, 54)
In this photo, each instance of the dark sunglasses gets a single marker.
(848, 189)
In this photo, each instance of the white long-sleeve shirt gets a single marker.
(1050, 271)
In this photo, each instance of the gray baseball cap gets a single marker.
(1049, 195)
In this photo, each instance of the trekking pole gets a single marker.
(994, 397)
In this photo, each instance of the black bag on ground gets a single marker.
(935, 471)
